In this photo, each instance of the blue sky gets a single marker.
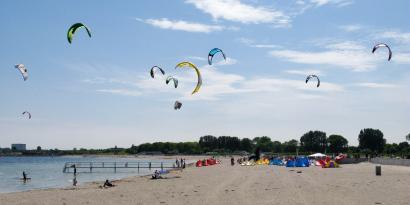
(97, 92)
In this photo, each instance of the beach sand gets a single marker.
(224, 184)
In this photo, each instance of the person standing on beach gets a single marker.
(177, 163)
(75, 181)
(182, 161)
(75, 170)
(232, 161)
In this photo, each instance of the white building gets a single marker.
(18, 147)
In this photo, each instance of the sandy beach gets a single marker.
(224, 184)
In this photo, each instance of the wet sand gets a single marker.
(224, 184)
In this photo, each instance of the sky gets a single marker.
(97, 92)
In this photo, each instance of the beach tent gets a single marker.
(276, 161)
(317, 155)
(302, 162)
(330, 164)
(199, 163)
(290, 163)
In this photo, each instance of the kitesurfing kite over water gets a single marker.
(22, 70)
(154, 69)
(212, 53)
(382, 45)
(71, 31)
(198, 73)
(313, 76)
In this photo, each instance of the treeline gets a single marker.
(371, 143)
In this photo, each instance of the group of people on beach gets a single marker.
(180, 163)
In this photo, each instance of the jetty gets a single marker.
(90, 166)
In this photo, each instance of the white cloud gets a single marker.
(345, 45)
(123, 92)
(339, 3)
(179, 25)
(345, 55)
(216, 86)
(278, 84)
(234, 10)
(251, 43)
(351, 27)
(303, 72)
(197, 58)
(377, 85)
(402, 58)
(228, 61)
(399, 37)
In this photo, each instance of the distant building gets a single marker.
(18, 147)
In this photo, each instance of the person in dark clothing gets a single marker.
(107, 184)
(156, 175)
(232, 161)
(75, 181)
(24, 177)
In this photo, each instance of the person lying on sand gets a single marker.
(108, 184)
(156, 175)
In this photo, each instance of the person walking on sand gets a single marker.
(177, 163)
(232, 161)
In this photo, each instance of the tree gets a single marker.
(246, 145)
(38, 148)
(208, 143)
(390, 149)
(371, 139)
(408, 137)
(290, 146)
(337, 143)
(313, 141)
(276, 147)
(264, 143)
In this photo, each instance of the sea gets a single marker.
(47, 172)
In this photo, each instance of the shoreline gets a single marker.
(131, 174)
(226, 184)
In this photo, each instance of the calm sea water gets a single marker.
(47, 172)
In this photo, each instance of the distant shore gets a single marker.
(226, 184)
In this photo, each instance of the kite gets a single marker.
(169, 78)
(177, 105)
(313, 76)
(71, 31)
(382, 45)
(22, 70)
(27, 113)
(198, 73)
(154, 68)
(212, 53)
